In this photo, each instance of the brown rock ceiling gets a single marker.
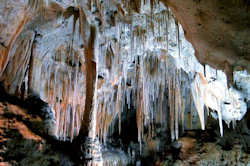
(219, 30)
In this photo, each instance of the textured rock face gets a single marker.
(218, 30)
(21, 142)
(107, 57)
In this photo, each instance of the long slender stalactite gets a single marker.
(90, 74)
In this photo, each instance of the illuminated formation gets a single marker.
(94, 59)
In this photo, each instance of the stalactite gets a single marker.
(23, 46)
(198, 93)
(139, 118)
(5, 56)
(183, 104)
(176, 110)
(191, 110)
(31, 64)
(133, 67)
(171, 109)
(150, 68)
(178, 41)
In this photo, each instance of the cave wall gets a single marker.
(44, 43)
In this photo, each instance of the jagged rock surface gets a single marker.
(110, 57)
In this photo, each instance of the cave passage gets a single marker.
(111, 82)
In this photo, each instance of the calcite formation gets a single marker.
(91, 60)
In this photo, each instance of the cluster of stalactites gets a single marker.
(131, 75)
(64, 88)
(143, 67)
(154, 90)
(224, 103)
(59, 81)
(44, 66)
(159, 80)
(140, 67)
